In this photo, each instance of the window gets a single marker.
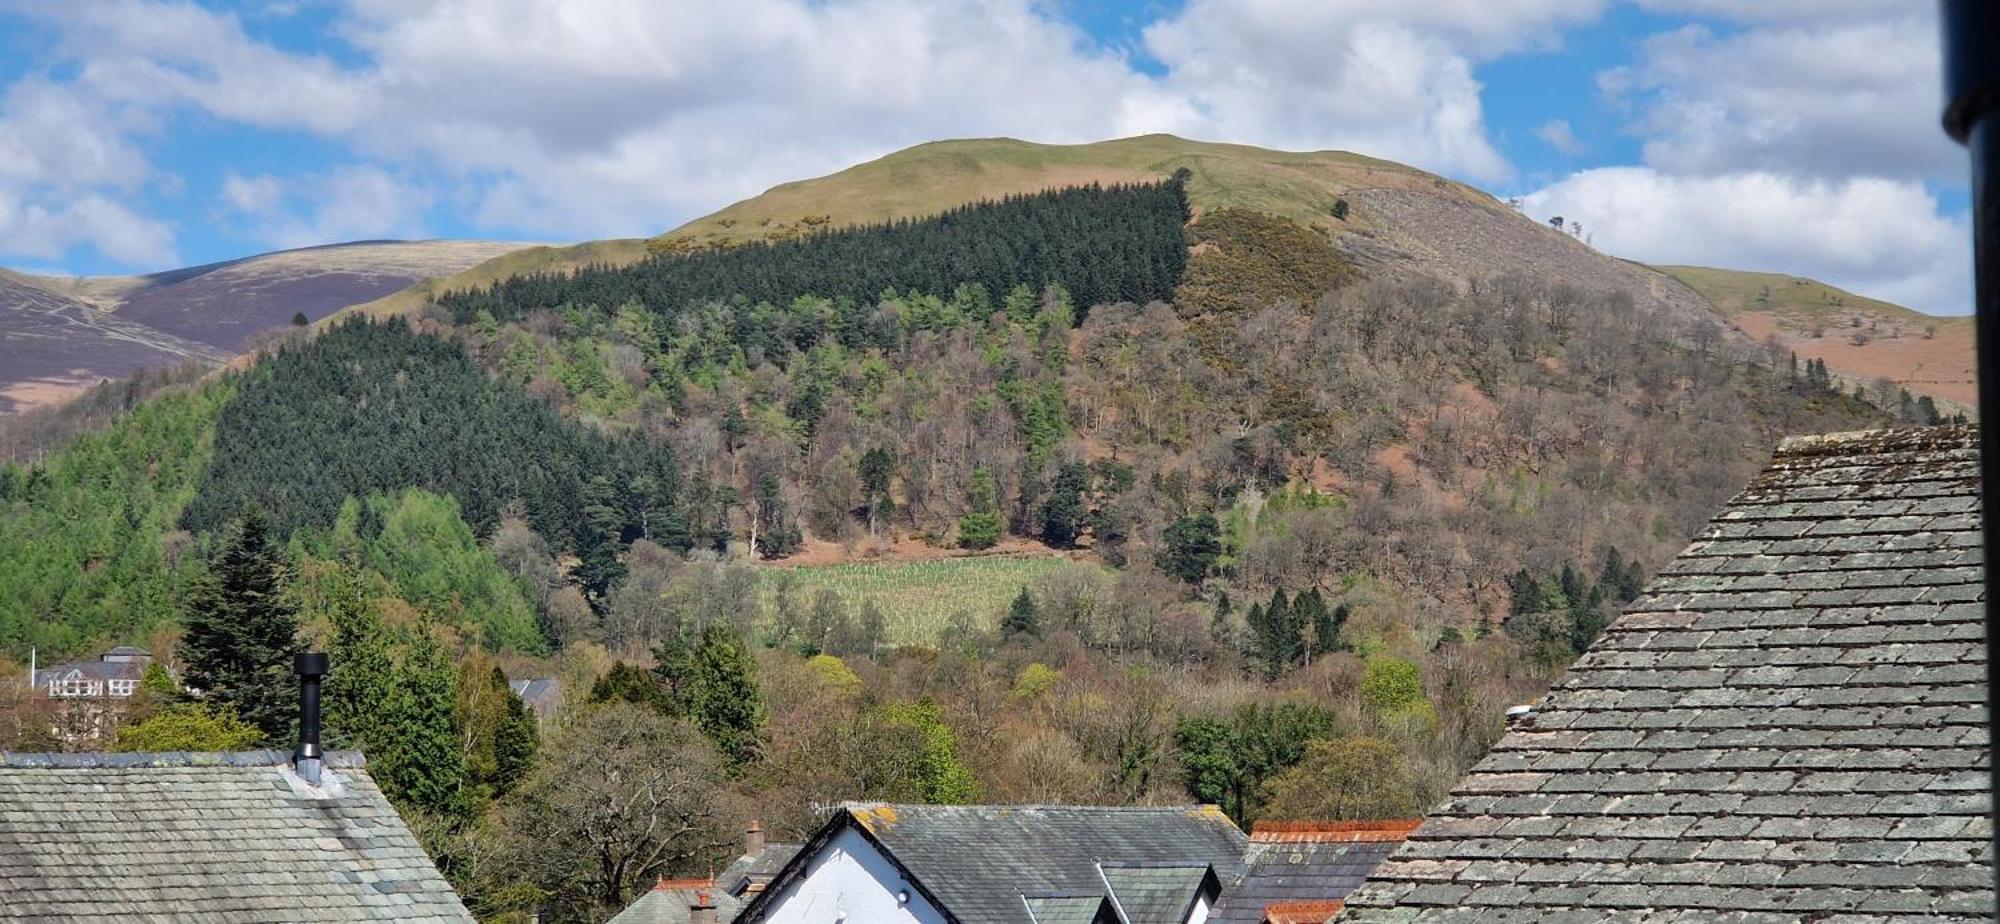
(72, 684)
(123, 687)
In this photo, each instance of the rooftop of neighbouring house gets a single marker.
(1298, 871)
(229, 836)
(996, 862)
(1789, 725)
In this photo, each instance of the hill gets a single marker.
(1860, 338)
(56, 345)
(1394, 219)
(63, 334)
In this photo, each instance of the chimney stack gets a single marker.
(753, 838)
(702, 909)
(307, 760)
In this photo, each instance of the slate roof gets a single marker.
(1148, 892)
(748, 873)
(1303, 869)
(1071, 909)
(543, 695)
(668, 901)
(979, 862)
(1788, 726)
(223, 837)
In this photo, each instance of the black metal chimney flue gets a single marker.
(1971, 98)
(310, 666)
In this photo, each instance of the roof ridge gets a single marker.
(1333, 831)
(1890, 439)
(1036, 806)
(98, 760)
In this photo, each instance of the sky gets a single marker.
(1795, 136)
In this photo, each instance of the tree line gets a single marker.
(1104, 244)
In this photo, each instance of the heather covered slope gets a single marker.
(59, 335)
(53, 346)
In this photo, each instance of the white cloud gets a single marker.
(1813, 97)
(602, 117)
(1388, 78)
(349, 203)
(1557, 134)
(1875, 236)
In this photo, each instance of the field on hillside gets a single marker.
(921, 598)
(1860, 338)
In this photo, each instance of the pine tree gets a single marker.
(422, 765)
(1193, 543)
(1023, 617)
(242, 633)
(1063, 513)
(723, 698)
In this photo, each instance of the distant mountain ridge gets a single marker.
(62, 334)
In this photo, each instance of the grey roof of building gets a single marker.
(1788, 726)
(95, 669)
(541, 694)
(1297, 871)
(1146, 892)
(978, 862)
(127, 651)
(747, 870)
(1070, 909)
(670, 906)
(236, 837)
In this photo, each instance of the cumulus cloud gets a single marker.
(1823, 98)
(1391, 79)
(1877, 236)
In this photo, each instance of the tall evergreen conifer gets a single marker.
(242, 633)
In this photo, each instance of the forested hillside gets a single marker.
(1321, 525)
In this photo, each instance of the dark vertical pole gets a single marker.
(310, 666)
(1972, 95)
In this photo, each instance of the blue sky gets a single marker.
(1787, 135)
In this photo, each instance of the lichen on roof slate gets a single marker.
(1788, 726)
(108, 837)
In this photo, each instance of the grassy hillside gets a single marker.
(1860, 338)
(930, 178)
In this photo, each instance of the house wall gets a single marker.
(850, 881)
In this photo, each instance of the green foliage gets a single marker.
(1343, 779)
(1103, 244)
(1393, 690)
(626, 683)
(1035, 681)
(498, 730)
(1247, 260)
(376, 408)
(420, 763)
(1064, 511)
(1226, 761)
(420, 543)
(242, 632)
(87, 550)
(722, 697)
(834, 673)
(189, 727)
(360, 657)
(1023, 617)
(937, 775)
(979, 529)
(1192, 544)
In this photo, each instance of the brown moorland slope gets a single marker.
(1861, 339)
